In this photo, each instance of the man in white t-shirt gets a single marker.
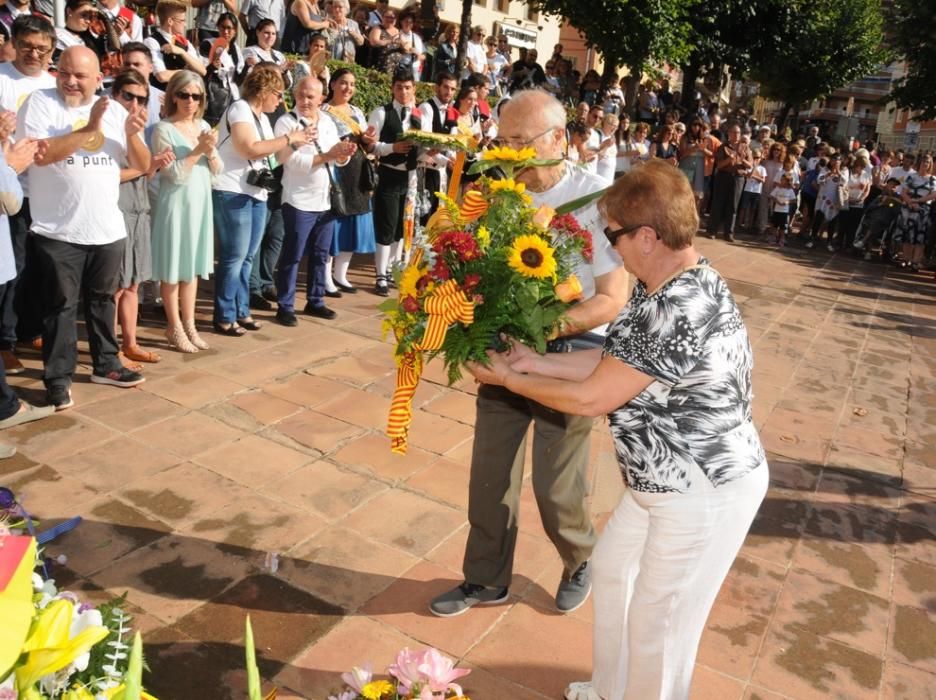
(20, 315)
(306, 201)
(79, 229)
(560, 442)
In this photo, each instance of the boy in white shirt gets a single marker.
(782, 198)
(750, 196)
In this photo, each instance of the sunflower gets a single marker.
(531, 256)
(510, 186)
(504, 153)
(408, 279)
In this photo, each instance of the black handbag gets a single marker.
(339, 206)
(368, 175)
(217, 98)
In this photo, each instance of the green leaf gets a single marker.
(253, 673)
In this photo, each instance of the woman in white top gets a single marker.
(626, 147)
(264, 52)
(239, 193)
(412, 43)
(607, 152)
(858, 187)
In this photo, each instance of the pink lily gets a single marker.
(440, 671)
(359, 677)
(406, 668)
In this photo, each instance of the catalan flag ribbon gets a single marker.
(401, 406)
(448, 304)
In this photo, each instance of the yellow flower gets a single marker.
(408, 280)
(376, 690)
(509, 154)
(510, 186)
(531, 256)
(484, 236)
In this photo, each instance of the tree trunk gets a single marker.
(464, 33)
(690, 76)
(784, 116)
(632, 82)
(609, 77)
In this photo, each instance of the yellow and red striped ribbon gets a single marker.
(448, 304)
(401, 405)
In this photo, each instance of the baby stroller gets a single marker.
(877, 222)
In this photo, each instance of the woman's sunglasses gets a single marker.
(197, 96)
(130, 97)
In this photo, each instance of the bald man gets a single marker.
(306, 201)
(535, 118)
(80, 234)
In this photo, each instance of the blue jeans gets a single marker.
(239, 220)
(307, 233)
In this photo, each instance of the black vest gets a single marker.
(392, 132)
(172, 62)
(438, 118)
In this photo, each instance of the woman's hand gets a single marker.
(206, 142)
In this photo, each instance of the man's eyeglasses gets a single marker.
(613, 234)
(517, 144)
(130, 97)
(40, 51)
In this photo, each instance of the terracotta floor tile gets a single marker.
(800, 664)
(902, 682)
(792, 474)
(772, 541)
(542, 652)
(709, 684)
(454, 405)
(46, 493)
(284, 358)
(372, 452)
(851, 523)
(915, 584)
(847, 615)
(324, 489)
(849, 488)
(436, 433)
(444, 481)
(450, 553)
(317, 431)
(418, 524)
(343, 567)
(187, 435)
(916, 529)
(482, 684)
(316, 672)
(753, 692)
(57, 436)
(262, 407)
(173, 576)
(129, 410)
(752, 585)
(913, 637)
(306, 389)
(184, 494)
(357, 407)
(252, 459)
(405, 606)
(193, 388)
(114, 464)
(867, 567)
(354, 369)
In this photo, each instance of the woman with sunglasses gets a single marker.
(183, 241)
(674, 378)
(79, 16)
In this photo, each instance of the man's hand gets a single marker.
(97, 115)
(342, 150)
(7, 124)
(21, 154)
(495, 374)
(402, 147)
(136, 120)
(171, 49)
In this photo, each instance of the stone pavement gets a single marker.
(272, 445)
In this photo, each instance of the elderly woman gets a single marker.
(675, 378)
(343, 34)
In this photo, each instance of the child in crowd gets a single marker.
(753, 185)
(782, 203)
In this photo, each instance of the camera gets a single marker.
(264, 179)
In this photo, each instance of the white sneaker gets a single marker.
(581, 690)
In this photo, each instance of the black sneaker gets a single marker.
(122, 377)
(258, 302)
(459, 599)
(286, 318)
(574, 590)
(729, 237)
(319, 312)
(59, 396)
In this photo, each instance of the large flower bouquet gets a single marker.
(416, 675)
(490, 265)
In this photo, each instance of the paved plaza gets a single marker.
(254, 478)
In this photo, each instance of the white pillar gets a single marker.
(59, 13)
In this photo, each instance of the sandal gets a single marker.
(249, 324)
(232, 329)
(128, 363)
(138, 354)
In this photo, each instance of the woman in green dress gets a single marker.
(183, 239)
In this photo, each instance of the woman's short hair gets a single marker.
(262, 79)
(181, 80)
(642, 126)
(656, 195)
(129, 76)
(340, 3)
(610, 120)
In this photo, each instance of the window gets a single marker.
(532, 15)
(502, 6)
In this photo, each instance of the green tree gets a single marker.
(912, 33)
(632, 33)
(826, 45)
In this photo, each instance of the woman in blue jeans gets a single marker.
(246, 144)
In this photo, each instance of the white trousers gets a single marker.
(657, 569)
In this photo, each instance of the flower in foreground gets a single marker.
(440, 671)
(406, 668)
(358, 677)
(510, 185)
(569, 290)
(531, 256)
(375, 690)
(504, 153)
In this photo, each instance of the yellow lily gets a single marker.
(49, 648)
(16, 605)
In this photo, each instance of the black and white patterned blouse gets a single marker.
(692, 428)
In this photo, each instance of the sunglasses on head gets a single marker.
(130, 97)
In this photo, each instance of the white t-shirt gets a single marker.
(794, 176)
(475, 53)
(159, 59)
(495, 69)
(23, 86)
(306, 187)
(75, 200)
(755, 186)
(11, 195)
(607, 162)
(573, 184)
(856, 186)
(782, 198)
(234, 176)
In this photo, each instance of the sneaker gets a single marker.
(60, 397)
(122, 377)
(730, 237)
(319, 312)
(11, 363)
(580, 690)
(867, 256)
(459, 599)
(258, 302)
(286, 318)
(574, 590)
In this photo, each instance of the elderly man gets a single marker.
(80, 233)
(306, 205)
(33, 41)
(733, 160)
(560, 442)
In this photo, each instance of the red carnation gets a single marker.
(461, 243)
(410, 305)
(472, 280)
(441, 271)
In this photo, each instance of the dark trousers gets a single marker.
(433, 183)
(725, 198)
(850, 217)
(71, 272)
(389, 201)
(262, 274)
(307, 233)
(9, 404)
(20, 311)
(560, 461)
